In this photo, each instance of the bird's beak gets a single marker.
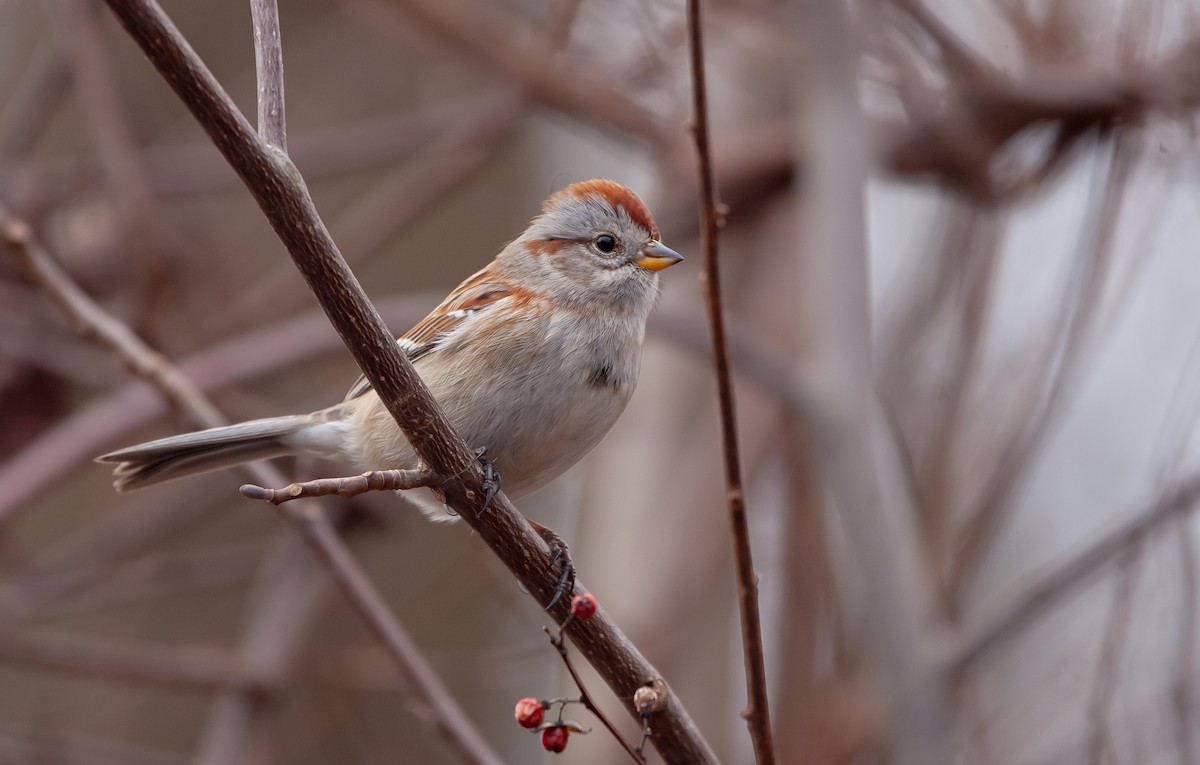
(656, 256)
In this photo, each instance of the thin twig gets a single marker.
(268, 65)
(585, 698)
(182, 169)
(233, 717)
(281, 194)
(757, 712)
(344, 487)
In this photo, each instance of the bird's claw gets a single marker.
(560, 556)
(491, 479)
(566, 580)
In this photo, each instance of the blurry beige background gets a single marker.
(1032, 221)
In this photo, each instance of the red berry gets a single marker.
(554, 739)
(529, 712)
(583, 606)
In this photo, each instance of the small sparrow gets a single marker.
(533, 359)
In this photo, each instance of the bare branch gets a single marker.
(757, 712)
(352, 486)
(585, 698)
(281, 194)
(268, 62)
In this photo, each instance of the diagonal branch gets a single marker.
(280, 191)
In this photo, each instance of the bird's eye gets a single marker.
(605, 243)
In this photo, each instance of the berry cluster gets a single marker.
(530, 713)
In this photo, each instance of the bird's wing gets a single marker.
(481, 292)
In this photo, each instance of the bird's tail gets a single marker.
(190, 453)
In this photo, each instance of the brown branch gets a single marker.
(757, 712)
(268, 65)
(346, 487)
(585, 698)
(312, 523)
(280, 192)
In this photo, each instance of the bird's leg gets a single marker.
(560, 555)
(491, 478)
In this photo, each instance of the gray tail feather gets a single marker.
(177, 456)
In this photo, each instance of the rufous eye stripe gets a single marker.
(547, 246)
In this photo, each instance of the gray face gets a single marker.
(585, 250)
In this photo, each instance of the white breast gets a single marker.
(537, 407)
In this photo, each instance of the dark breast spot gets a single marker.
(602, 376)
